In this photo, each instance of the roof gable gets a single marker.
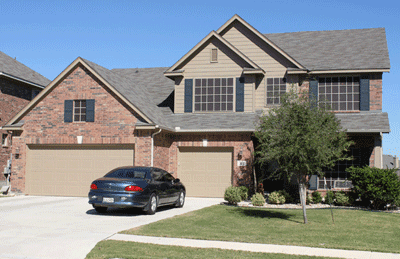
(202, 43)
(237, 18)
(11, 68)
(104, 75)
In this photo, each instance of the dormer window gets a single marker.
(214, 55)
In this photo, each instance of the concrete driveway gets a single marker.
(37, 227)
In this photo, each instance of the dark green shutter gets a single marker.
(314, 89)
(188, 95)
(90, 110)
(364, 93)
(313, 182)
(68, 107)
(240, 94)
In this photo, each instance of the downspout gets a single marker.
(152, 144)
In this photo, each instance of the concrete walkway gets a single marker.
(251, 247)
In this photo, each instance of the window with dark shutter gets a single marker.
(79, 110)
(364, 93)
(188, 95)
(240, 94)
(68, 110)
(90, 110)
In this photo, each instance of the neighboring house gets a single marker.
(391, 162)
(196, 119)
(18, 86)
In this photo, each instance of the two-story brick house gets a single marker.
(18, 86)
(196, 118)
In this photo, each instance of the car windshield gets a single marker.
(128, 173)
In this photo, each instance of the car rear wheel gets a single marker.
(152, 206)
(100, 209)
(181, 200)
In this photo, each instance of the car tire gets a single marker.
(152, 206)
(181, 200)
(100, 209)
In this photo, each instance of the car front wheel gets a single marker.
(152, 206)
(100, 209)
(181, 200)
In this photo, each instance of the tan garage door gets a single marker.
(68, 170)
(205, 172)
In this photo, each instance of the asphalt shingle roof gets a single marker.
(338, 49)
(148, 89)
(12, 67)
(153, 93)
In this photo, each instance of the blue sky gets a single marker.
(48, 35)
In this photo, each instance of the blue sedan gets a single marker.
(140, 187)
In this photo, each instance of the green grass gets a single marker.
(120, 249)
(353, 229)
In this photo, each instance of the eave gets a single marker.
(21, 80)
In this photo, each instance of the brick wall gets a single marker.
(44, 124)
(375, 89)
(13, 97)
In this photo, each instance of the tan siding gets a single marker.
(248, 94)
(256, 49)
(179, 96)
(228, 64)
(266, 57)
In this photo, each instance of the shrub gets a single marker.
(308, 199)
(381, 186)
(232, 195)
(276, 198)
(316, 197)
(329, 197)
(342, 199)
(285, 194)
(244, 192)
(257, 199)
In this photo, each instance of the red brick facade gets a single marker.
(13, 97)
(114, 124)
(375, 92)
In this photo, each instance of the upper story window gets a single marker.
(213, 95)
(341, 93)
(80, 110)
(276, 87)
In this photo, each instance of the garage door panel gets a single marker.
(68, 170)
(205, 172)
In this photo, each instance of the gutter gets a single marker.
(152, 144)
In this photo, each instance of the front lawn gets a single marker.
(353, 229)
(127, 250)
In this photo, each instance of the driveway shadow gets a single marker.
(124, 212)
(267, 214)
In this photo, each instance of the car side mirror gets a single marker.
(176, 180)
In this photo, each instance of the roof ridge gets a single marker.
(336, 30)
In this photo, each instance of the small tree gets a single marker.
(301, 136)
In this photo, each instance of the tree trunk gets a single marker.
(303, 197)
